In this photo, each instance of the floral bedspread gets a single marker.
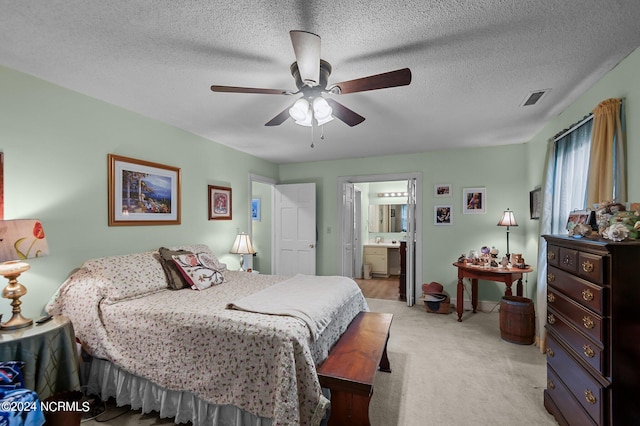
(186, 340)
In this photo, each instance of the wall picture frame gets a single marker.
(535, 203)
(442, 190)
(442, 215)
(474, 200)
(255, 209)
(220, 207)
(142, 192)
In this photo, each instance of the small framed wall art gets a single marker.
(219, 203)
(442, 215)
(474, 201)
(255, 209)
(442, 190)
(535, 202)
(142, 193)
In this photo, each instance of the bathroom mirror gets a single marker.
(387, 218)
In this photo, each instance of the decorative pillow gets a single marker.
(175, 279)
(201, 270)
(11, 375)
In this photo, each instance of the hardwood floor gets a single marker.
(380, 288)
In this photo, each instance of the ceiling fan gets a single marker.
(311, 75)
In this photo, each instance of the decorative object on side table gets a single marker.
(508, 219)
(242, 245)
(19, 240)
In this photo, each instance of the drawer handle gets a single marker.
(551, 278)
(588, 395)
(551, 319)
(551, 297)
(551, 255)
(588, 323)
(588, 351)
(587, 266)
(550, 352)
(567, 260)
(587, 295)
(550, 384)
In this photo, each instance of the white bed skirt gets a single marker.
(108, 380)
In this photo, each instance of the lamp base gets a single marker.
(14, 291)
(16, 321)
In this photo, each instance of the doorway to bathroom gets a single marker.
(380, 218)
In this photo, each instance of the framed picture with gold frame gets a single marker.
(219, 203)
(142, 193)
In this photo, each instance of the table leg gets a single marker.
(507, 291)
(460, 300)
(519, 287)
(474, 294)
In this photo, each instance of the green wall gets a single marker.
(501, 170)
(55, 144)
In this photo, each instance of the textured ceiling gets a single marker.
(473, 64)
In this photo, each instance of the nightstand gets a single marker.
(49, 353)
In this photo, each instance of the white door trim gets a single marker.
(383, 178)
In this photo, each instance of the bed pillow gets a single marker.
(200, 270)
(175, 279)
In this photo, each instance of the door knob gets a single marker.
(311, 245)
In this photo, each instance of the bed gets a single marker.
(200, 355)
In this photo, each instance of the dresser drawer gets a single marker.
(568, 259)
(375, 250)
(592, 267)
(582, 291)
(582, 318)
(553, 255)
(590, 393)
(570, 410)
(582, 347)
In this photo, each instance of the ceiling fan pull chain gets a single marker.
(322, 132)
(312, 144)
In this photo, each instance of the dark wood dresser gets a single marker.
(593, 325)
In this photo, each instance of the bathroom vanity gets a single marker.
(384, 258)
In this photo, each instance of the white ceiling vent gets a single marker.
(534, 97)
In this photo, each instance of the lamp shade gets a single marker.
(300, 110)
(508, 219)
(22, 239)
(242, 245)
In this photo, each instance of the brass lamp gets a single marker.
(242, 245)
(19, 240)
(508, 219)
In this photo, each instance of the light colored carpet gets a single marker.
(445, 373)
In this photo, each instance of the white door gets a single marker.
(348, 230)
(410, 288)
(295, 229)
(357, 232)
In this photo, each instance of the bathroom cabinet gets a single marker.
(384, 260)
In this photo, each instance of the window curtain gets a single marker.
(607, 179)
(563, 190)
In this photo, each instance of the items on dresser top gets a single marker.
(592, 346)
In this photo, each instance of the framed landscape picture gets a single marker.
(142, 193)
(219, 203)
(474, 201)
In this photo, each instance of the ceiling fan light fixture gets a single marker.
(306, 122)
(322, 110)
(300, 110)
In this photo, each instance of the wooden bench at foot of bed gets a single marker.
(351, 366)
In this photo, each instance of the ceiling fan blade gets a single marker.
(373, 82)
(344, 114)
(306, 47)
(233, 89)
(279, 119)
